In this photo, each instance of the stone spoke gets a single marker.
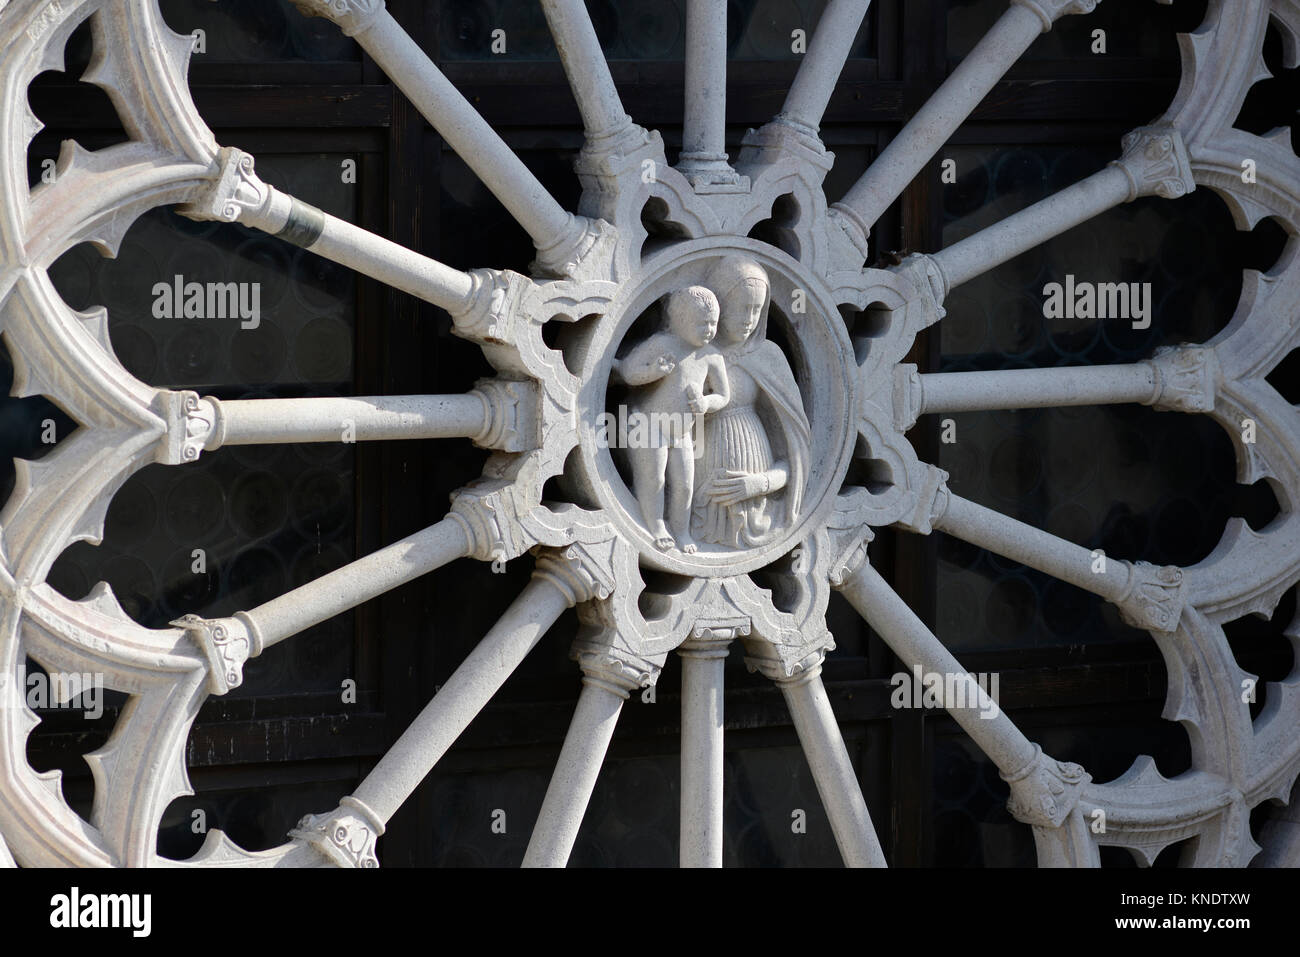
(248, 633)
(369, 418)
(556, 233)
(574, 777)
(837, 783)
(828, 759)
(1154, 163)
(946, 110)
(347, 835)
(499, 414)
(359, 581)
(603, 116)
(813, 85)
(1179, 379)
(236, 194)
(890, 617)
(703, 661)
(1036, 388)
(606, 684)
(704, 132)
(469, 689)
(1146, 596)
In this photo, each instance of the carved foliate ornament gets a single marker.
(352, 16)
(1154, 598)
(1049, 11)
(235, 191)
(345, 837)
(1185, 378)
(228, 644)
(1045, 791)
(1156, 163)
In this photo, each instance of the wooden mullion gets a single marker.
(653, 104)
(914, 557)
(887, 15)
(291, 72)
(427, 146)
(1034, 695)
(395, 336)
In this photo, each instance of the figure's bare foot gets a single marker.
(690, 548)
(664, 540)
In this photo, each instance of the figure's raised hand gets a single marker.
(695, 400)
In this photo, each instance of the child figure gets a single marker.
(674, 367)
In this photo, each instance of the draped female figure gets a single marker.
(753, 464)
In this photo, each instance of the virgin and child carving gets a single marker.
(729, 465)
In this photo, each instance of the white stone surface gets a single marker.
(773, 457)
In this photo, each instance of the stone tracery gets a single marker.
(769, 489)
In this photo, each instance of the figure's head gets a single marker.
(742, 288)
(693, 314)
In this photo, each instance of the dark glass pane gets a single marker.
(634, 29)
(255, 818)
(971, 824)
(1124, 479)
(773, 815)
(1132, 30)
(243, 524)
(252, 31)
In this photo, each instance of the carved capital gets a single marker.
(851, 238)
(345, 837)
(1156, 163)
(587, 250)
(618, 174)
(785, 138)
(1045, 791)
(512, 415)
(928, 485)
(581, 572)
(352, 16)
(1049, 11)
(783, 673)
(927, 277)
(617, 671)
(494, 306)
(1185, 378)
(228, 643)
(710, 636)
(849, 536)
(1154, 598)
(234, 192)
(193, 424)
(490, 513)
(907, 396)
(614, 152)
(711, 173)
